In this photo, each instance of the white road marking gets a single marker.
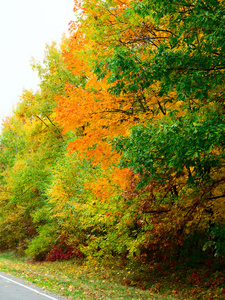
(27, 287)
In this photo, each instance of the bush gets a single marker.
(62, 252)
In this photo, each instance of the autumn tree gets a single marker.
(184, 151)
(31, 142)
(168, 60)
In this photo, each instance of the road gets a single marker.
(12, 288)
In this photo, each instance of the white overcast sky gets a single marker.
(26, 26)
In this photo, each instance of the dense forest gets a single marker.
(120, 152)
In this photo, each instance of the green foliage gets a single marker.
(40, 246)
(163, 150)
(216, 242)
(12, 142)
(63, 215)
(30, 145)
(184, 50)
(53, 73)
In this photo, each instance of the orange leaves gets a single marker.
(122, 177)
(105, 187)
(78, 7)
(71, 114)
(100, 115)
(74, 56)
(101, 188)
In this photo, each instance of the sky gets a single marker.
(26, 26)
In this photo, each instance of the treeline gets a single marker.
(121, 150)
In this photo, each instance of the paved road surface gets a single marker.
(12, 288)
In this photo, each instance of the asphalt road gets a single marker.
(12, 288)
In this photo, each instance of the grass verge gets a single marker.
(77, 280)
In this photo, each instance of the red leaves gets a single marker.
(60, 252)
(195, 279)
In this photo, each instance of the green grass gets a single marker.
(77, 280)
